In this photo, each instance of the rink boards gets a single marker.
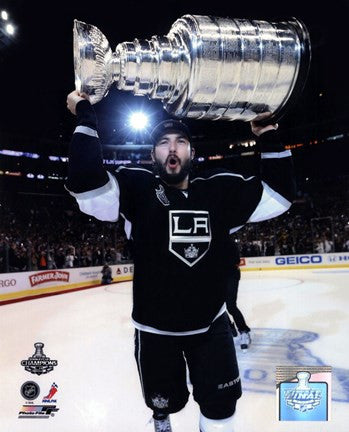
(27, 285)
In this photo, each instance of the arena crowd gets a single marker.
(39, 232)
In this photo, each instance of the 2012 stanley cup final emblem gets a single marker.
(190, 234)
(39, 363)
(305, 395)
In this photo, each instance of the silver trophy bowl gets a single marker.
(204, 68)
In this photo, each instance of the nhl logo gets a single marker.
(190, 234)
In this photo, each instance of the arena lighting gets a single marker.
(11, 153)
(4, 15)
(13, 173)
(138, 120)
(215, 157)
(10, 29)
(335, 137)
(19, 154)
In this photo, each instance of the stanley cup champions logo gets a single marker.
(38, 363)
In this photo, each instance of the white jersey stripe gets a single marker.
(86, 131)
(94, 192)
(127, 227)
(134, 169)
(232, 230)
(223, 175)
(186, 239)
(138, 333)
(272, 204)
(102, 203)
(149, 329)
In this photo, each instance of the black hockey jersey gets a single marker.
(180, 237)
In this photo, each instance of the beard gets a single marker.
(172, 179)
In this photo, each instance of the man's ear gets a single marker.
(192, 153)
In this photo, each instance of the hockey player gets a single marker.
(107, 277)
(180, 226)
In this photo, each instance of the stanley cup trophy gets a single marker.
(204, 68)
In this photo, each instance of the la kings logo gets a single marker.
(190, 234)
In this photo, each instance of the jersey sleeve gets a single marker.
(277, 178)
(95, 190)
(268, 194)
(127, 179)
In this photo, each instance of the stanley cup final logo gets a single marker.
(38, 363)
(303, 397)
(303, 393)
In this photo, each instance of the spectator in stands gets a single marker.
(60, 258)
(42, 261)
(69, 259)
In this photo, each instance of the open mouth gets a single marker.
(172, 162)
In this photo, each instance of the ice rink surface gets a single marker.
(298, 317)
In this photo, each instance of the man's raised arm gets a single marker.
(277, 174)
(95, 190)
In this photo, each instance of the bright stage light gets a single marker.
(138, 120)
(4, 15)
(10, 29)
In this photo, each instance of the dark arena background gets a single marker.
(42, 229)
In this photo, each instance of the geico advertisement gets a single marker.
(320, 259)
(290, 261)
(298, 259)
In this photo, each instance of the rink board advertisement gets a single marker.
(289, 262)
(20, 286)
(23, 285)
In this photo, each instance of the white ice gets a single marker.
(297, 318)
